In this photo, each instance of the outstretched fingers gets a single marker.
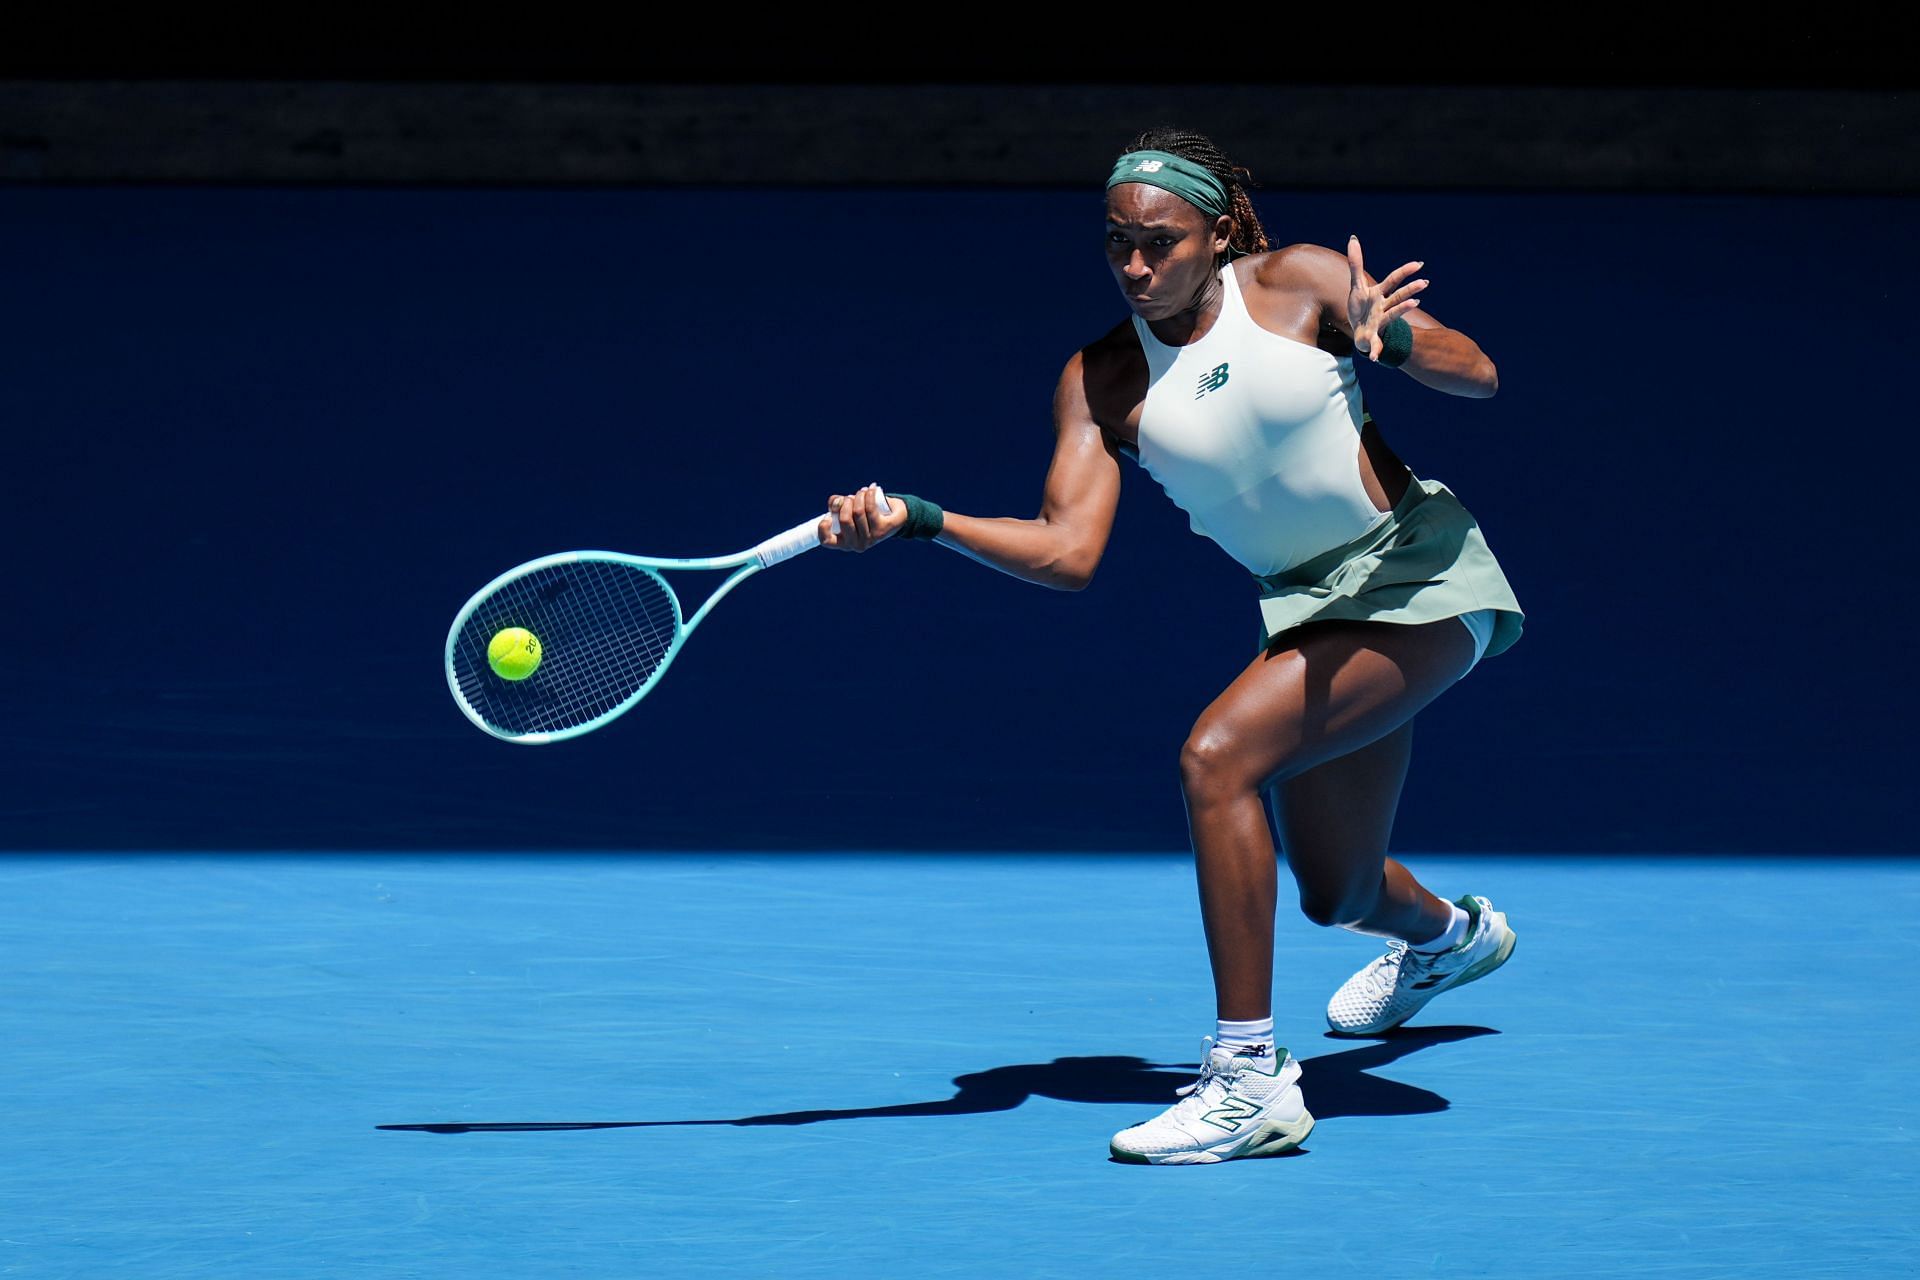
(1398, 276)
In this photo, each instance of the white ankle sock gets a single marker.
(1245, 1035)
(1455, 934)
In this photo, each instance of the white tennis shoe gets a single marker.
(1395, 987)
(1234, 1110)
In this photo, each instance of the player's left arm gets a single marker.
(1360, 306)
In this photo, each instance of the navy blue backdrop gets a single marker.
(263, 443)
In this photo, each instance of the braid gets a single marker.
(1248, 235)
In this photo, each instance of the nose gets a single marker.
(1136, 267)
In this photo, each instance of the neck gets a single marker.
(1196, 318)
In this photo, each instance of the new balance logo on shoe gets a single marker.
(1231, 1114)
(1252, 1112)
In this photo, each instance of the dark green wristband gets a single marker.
(924, 519)
(1396, 342)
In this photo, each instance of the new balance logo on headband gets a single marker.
(1150, 166)
(1212, 381)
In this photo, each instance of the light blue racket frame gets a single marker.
(782, 546)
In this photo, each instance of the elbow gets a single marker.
(1070, 560)
(1072, 572)
(1489, 381)
(1064, 578)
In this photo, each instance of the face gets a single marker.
(1162, 250)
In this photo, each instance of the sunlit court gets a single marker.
(819, 1062)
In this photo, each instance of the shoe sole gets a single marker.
(1273, 1138)
(1472, 973)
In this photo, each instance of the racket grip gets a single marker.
(802, 537)
(785, 546)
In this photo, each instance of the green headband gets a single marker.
(1179, 175)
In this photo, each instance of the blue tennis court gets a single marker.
(866, 1064)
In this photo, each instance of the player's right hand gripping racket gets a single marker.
(608, 627)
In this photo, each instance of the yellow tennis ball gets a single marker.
(514, 653)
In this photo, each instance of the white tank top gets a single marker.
(1257, 438)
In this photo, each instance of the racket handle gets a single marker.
(785, 546)
(802, 537)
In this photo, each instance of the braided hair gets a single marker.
(1248, 235)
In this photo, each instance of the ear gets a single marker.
(1222, 233)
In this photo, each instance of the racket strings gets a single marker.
(604, 628)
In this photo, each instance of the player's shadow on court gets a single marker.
(1337, 1084)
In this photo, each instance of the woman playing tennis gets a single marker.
(1233, 385)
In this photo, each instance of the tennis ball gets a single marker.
(514, 653)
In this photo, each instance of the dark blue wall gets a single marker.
(263, 443)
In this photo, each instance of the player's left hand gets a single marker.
(855, 521)
(1371, 306)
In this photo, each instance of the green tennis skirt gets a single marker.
(1426, 561)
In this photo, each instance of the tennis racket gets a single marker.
(608, 625)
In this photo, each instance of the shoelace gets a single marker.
(1419, 964)
(1197, 1091)
(1385, 972)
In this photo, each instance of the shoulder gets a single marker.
(1114, 353)
(1117, 345)
(1298, 266)
(1104, 377)
(1300, 292)
(1113, 359)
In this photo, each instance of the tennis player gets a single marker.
(1233, 384)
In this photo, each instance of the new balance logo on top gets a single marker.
(1212, 381)
(1150, 166)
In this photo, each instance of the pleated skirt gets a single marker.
(1427, 561)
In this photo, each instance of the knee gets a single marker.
(1331, 906)
(1210, 765)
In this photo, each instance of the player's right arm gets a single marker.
(1060, 547)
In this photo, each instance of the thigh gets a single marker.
(1325, 689)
